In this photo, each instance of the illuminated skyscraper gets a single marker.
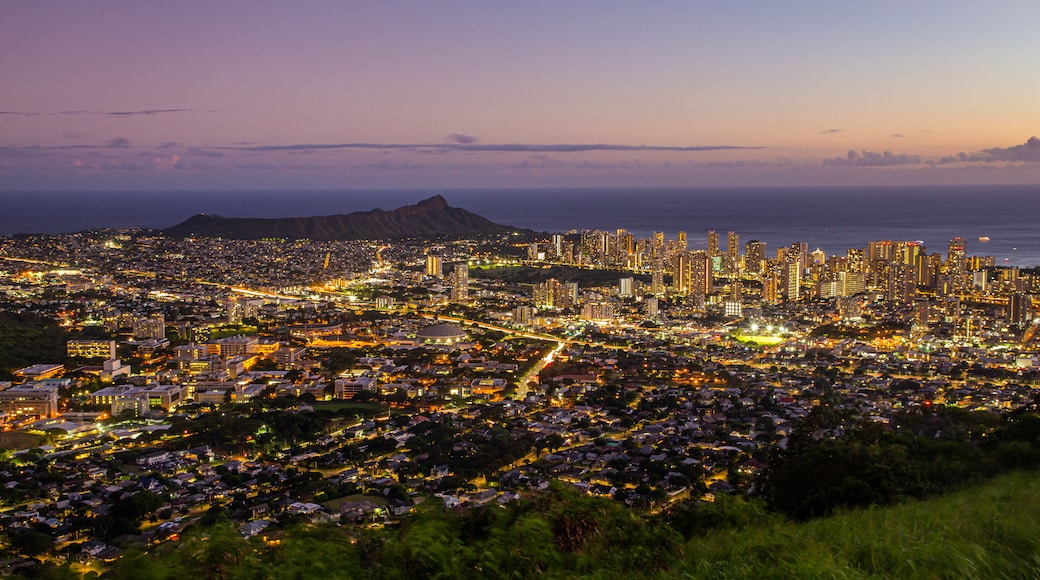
(902, 282)
(433, 266)
(651, 307)
(460, 282)
(956, 262)
(682, 241)
(658, 247)
(681, 274)
(755, 256)
(1020, 308)
(733, 252)
(557, 246)
(700, 273)
(625, 287)
(791, 281)
(657, 278)
(854, 260)
(713, 243)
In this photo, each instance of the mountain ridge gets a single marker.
(429, 218)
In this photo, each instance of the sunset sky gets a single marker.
(333, 94)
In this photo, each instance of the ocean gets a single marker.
(830, 218)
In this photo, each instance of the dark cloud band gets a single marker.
(489, 147)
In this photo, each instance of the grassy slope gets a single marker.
(989, 531)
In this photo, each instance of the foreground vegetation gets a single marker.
(988, 531)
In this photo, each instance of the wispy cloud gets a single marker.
(489, 147)
(872, 159)
(386, 165)
(461, 138)
(138, 113)
(826, 131)
(898, 135)
(19, 114)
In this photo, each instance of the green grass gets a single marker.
(989, 531)
(760, 340)
(18, 440)
(233, 330)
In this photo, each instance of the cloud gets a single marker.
(165, 162)
(872, 159)
(200, 152)
(825, 131)
(118, 143)
(387, 165)
(540, 161)
(19, 114)
(21, 152)
(124, 114)
(898, 135)
(489, 147)
(460, 138)
(1028, 152)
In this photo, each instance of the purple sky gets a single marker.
(332, 94)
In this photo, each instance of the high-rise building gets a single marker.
(733, 252)
(713, 243)
(700, 273)
(771, 288)
(556, 244)
(681, 274)
(658, 244)
(902, 282)
(755, 256)
(791, 281)
(930, 270)
(1020, 308)
(682, 242)
(850, 283)
(434, 267)
(657, 278)
(879, 250)
(625, 287)
(153, 326)
(533, 251)
(854, 260)
(555, 294)
(800, 251)
(460, 282)
(651, 307)
(956, 262)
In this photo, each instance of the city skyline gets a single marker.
(121, 96)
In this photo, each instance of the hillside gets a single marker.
(430, 218)
(27, 339)
(988, 531)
